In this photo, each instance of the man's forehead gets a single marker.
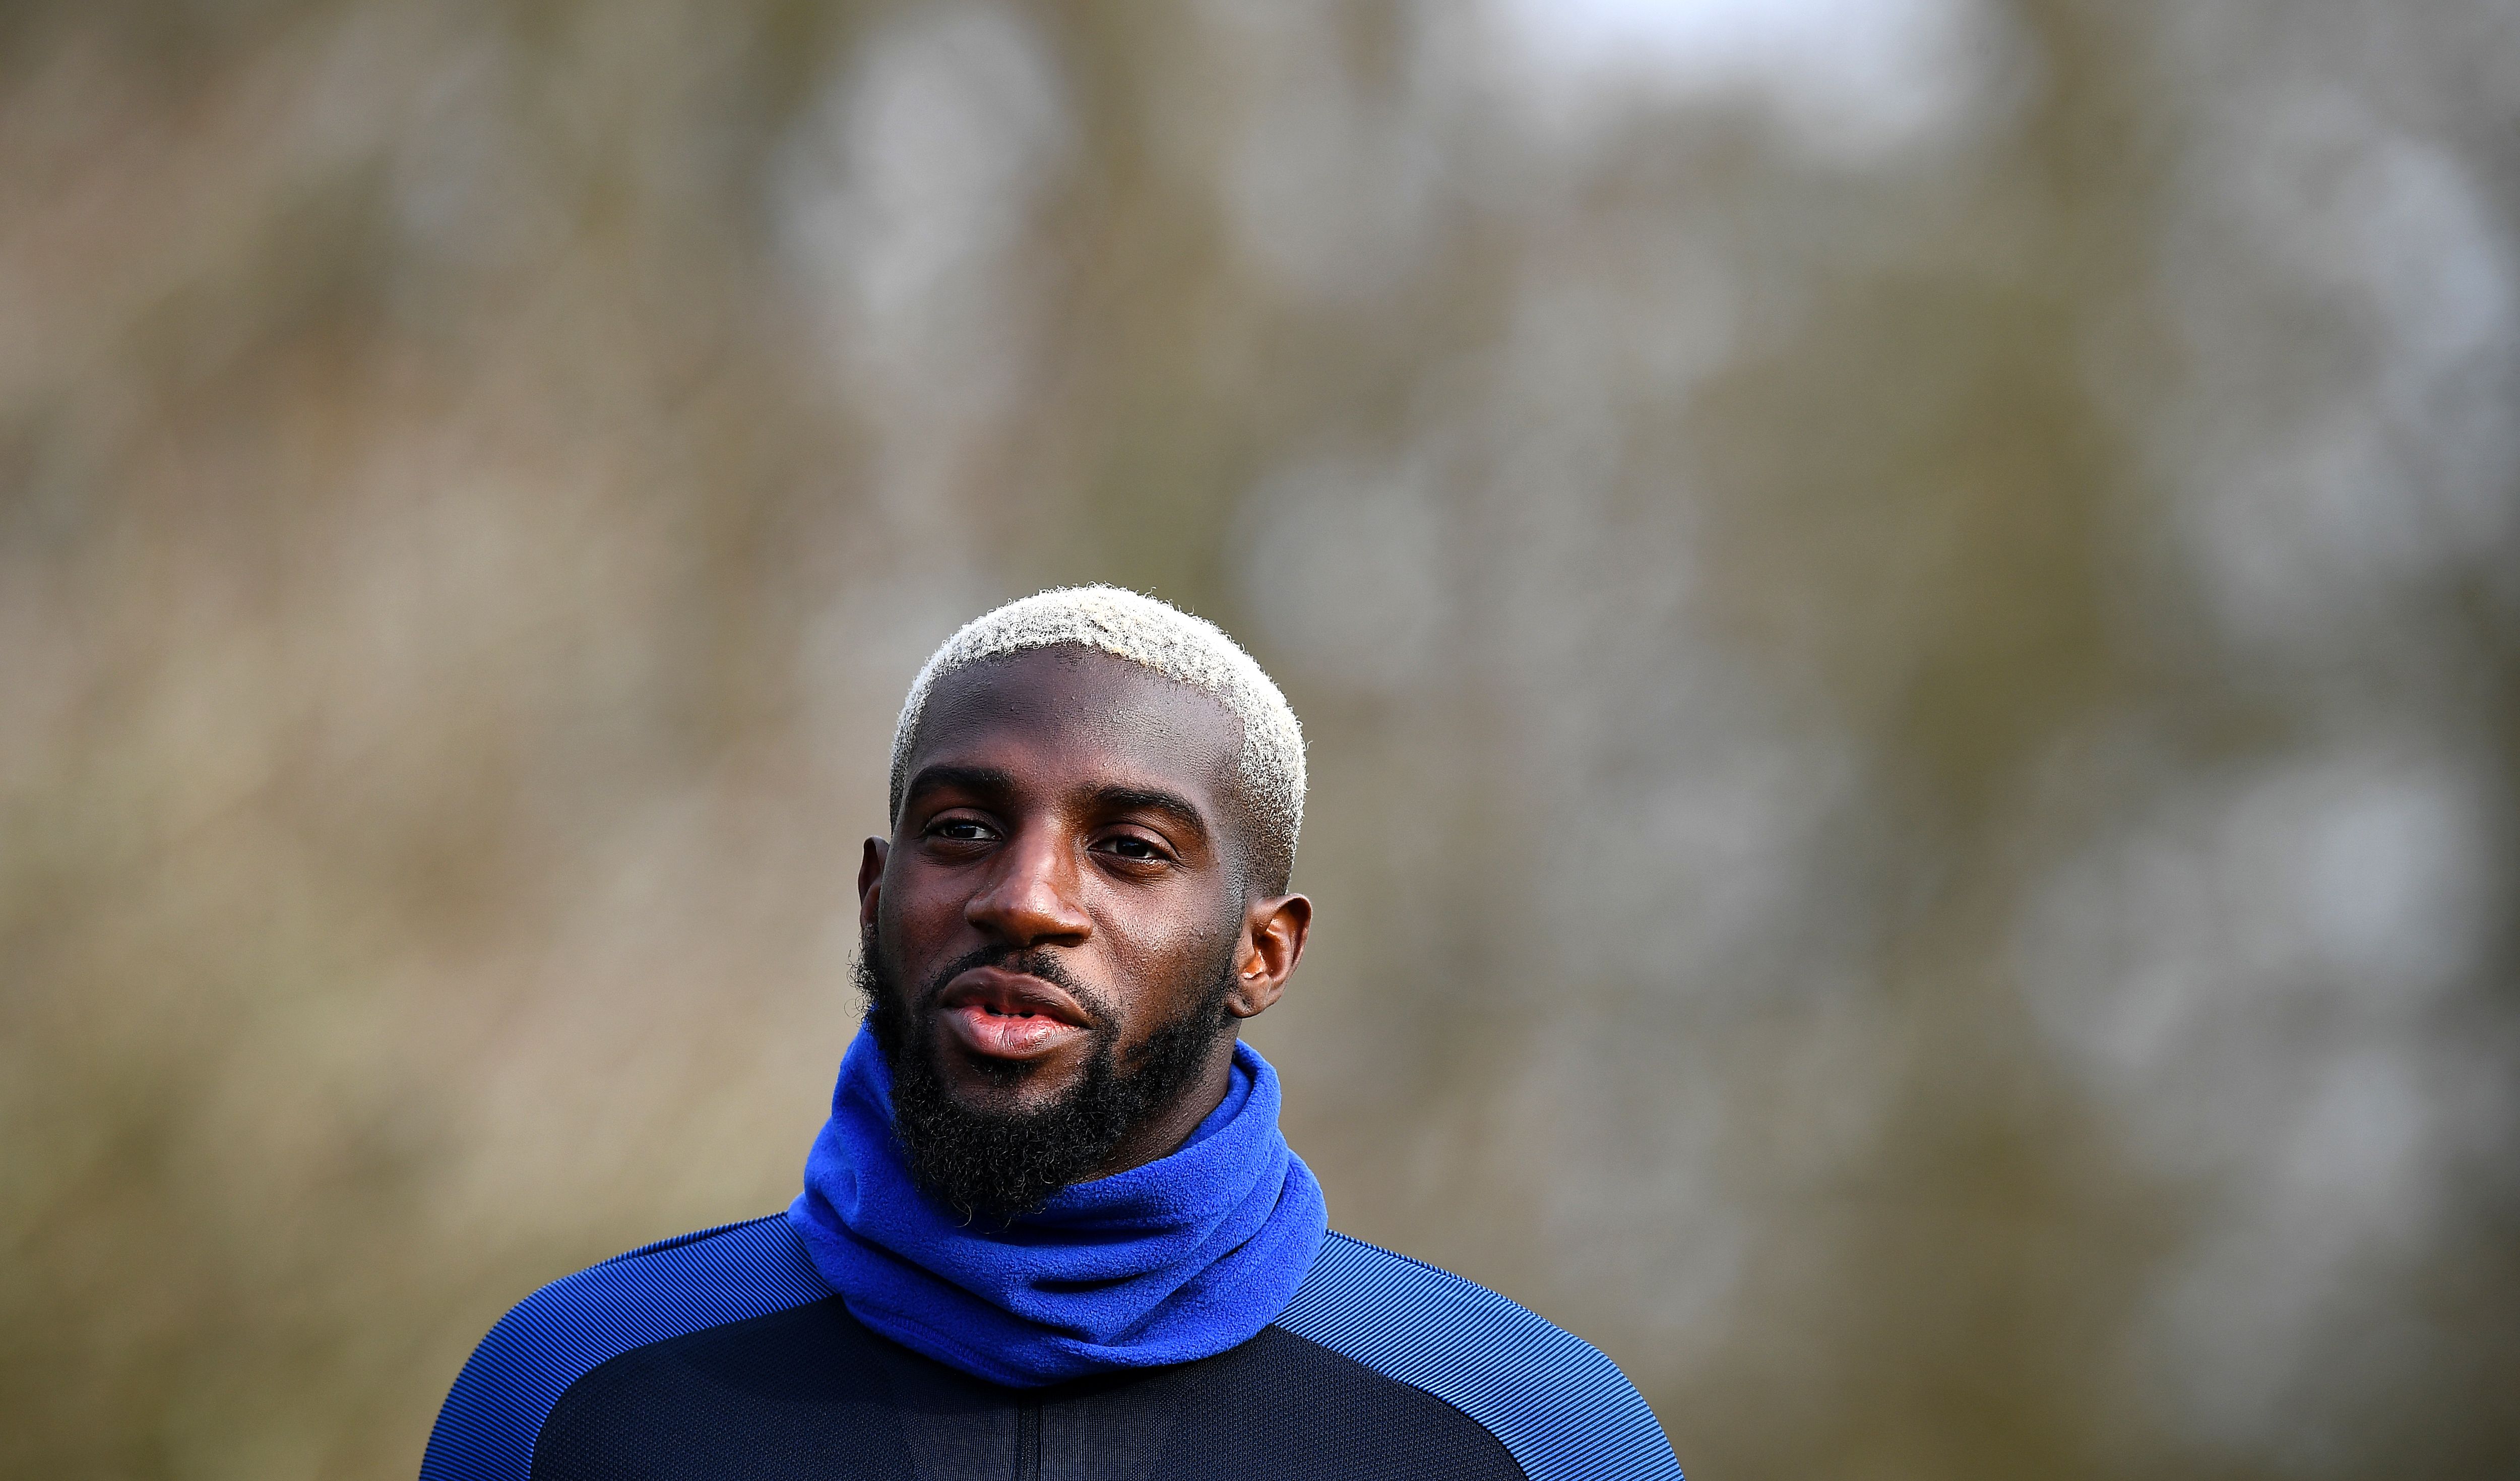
(1076, 699)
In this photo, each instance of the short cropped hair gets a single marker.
(1157, 636)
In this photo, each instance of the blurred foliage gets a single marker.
(1909, 614)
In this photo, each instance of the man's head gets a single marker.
(1094, 805)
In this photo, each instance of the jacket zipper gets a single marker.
(1028, 1441)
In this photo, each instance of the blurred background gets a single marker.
(1909, 613)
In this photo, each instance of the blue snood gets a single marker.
(1183, 1258)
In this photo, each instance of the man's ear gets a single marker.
(870, 878)
(1274, 931)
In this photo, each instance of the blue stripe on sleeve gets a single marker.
(1563, 1408)
(558, 1334)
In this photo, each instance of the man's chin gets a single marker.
(997, 1137)
(1012, 1090)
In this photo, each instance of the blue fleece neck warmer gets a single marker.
(1183, 1258)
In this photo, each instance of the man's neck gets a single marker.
(1162, 1133)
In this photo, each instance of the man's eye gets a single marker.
(1131, 846)
(961, 830)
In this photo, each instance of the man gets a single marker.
(1050, 1229)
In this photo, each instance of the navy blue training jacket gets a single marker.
(724, 1355)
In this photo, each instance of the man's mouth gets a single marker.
(1010, 1016)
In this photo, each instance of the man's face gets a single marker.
(1058, 931)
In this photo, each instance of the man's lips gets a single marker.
(1010, 1016)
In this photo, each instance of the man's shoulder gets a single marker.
(1563, 1408)
(1557, 1404)
(562, 1332)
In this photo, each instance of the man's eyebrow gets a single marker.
(970, 778)
(1152, 799)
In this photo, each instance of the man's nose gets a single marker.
(1032, 901)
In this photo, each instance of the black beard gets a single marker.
(998, 1166)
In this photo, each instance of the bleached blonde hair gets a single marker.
(1158, 636)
